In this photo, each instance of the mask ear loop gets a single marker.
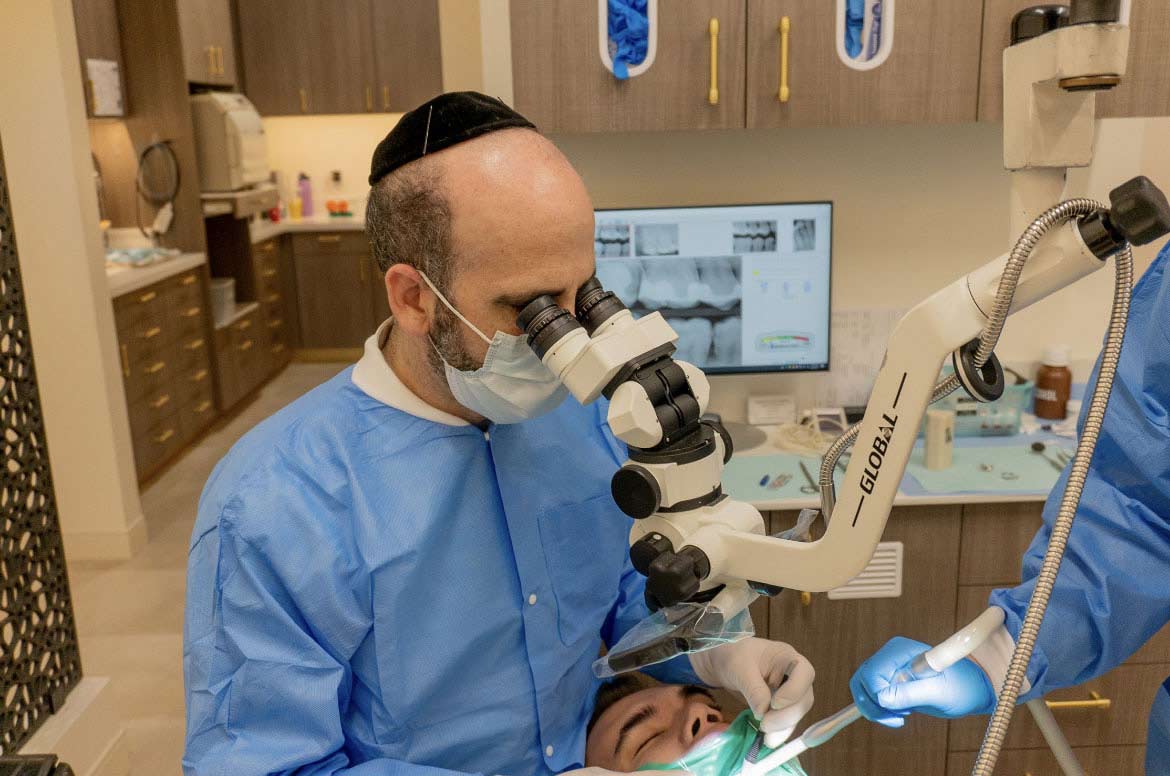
(451, 307)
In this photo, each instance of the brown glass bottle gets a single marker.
(1053, 384)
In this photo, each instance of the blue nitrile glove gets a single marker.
(958, 691)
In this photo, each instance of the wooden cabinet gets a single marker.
(560, 83)
(339, 56)
(98, 37)
(166, 366)
(1145, 90)
(1110, 760)
(209, 55)
(276, 293)
(838, 635)
(931, 76)
(335, 276)
(242, 354)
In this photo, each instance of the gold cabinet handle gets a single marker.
(244, 325)
(328, 238)
(125, 362)
(276, 323)
(805, 598)
(713, 92)
(203, 407)
(362, 267)
(219, 56)
(785, 25)
(268, 273)
(155, 368)
(267, 247)
(148, 296)
(304, 101)
(245, 345)
(152, 332)
(278, 347)
(385, 97)
(211, 60)
(272, 298)
(1094, 702)
(161, 401)
(369, 97)
(191, 312)
(188, 279)
(164, 436)
(194, 344)
(199, 376)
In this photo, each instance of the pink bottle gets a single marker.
(305, 189)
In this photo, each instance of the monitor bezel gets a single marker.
(755, 370)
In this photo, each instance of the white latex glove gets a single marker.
(774, 679)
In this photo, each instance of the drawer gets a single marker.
(139, 340)
(186, 282)
(150, 410)
(191, 352)
(188, 317)
(349, 243)
(157, 444)
(973, 600)
(137, 306)
(1100, 760)
(196, 416)
(147, 376)
(266, 253)
(195, 385)
(995, 537)
(1130, 690)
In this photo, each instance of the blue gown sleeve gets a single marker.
(1111, 594)
(267, 639)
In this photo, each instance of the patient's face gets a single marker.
(658, 725)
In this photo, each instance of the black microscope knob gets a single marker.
(1037, 20)
(1139, 210)
(675, 577)
(647, 549)
(635, 491)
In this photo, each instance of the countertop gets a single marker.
(262, 230)
(122, 280)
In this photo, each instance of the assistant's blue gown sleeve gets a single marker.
(265, 656)
(1111, 594)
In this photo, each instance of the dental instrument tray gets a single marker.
(998, 418)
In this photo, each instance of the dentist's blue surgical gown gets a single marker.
(374, 592)
(1113, 590)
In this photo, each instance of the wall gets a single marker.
(916, 207)
(46, 147)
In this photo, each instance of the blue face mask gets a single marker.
(722, 754)
(512, 385)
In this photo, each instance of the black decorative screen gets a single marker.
(39, 661)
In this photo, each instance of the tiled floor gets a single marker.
(130, 614)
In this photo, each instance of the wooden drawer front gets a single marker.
(995, 537)
(188, 316)
(150, 410)
(143, 339)
(130, 309)
(973, 600)
(1130, 690)
(194, 385)
(191, 352)
(266, 253)
(157, 444)
(1097, 760)
(330, 243)
(196, 416)
(147, 376)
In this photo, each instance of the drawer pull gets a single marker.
(203, 407)
(304, 101)
(152, 332)
(194, 344)
(148, 296)
(268, 247)
(155, 368)
(191, 312)
(278, 347)
(164, 436)
(1094, 702)
(385, 97)
(783, 92)
(276, 323)
(243, 325)
(187, 279)
(369, 97)
(268, 273)
(161, 401)
(328, 238)
(199, 376)
(805, 598)
(125, 362)
(713, 91)
(272, 298)
(245, 345)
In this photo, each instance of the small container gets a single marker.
(940, 439)
(294, 208)
(305, 190)
(1053, 384)
(223, 299)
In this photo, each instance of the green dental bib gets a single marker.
(722, 754)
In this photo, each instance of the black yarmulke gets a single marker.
(439, 123)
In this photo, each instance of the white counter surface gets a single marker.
(122, 280)
(319, 222)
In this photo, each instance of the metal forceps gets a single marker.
(811, 487)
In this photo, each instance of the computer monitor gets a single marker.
(746, 287)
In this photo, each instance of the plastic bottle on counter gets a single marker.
(1053, 384)
(305, 190)
(294, 207)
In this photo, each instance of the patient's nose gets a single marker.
(701, 721)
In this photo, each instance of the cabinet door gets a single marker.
(98, 37)
(1145, 90)
(838, 635)
(561, 85)
(205, 27)
(407, 55)
(275, 68)
(931, 76)
(339, 49)
(333, 298)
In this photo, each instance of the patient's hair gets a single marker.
(613, 691)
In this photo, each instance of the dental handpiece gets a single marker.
(933, 661)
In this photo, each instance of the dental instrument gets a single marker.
(812, 484)
(1039, 448)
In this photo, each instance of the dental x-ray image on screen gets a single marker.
(742, 294)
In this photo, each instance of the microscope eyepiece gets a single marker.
(545, 323)
(595, 305)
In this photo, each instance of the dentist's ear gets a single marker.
(411, 301)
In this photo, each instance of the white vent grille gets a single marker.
(882, 578)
